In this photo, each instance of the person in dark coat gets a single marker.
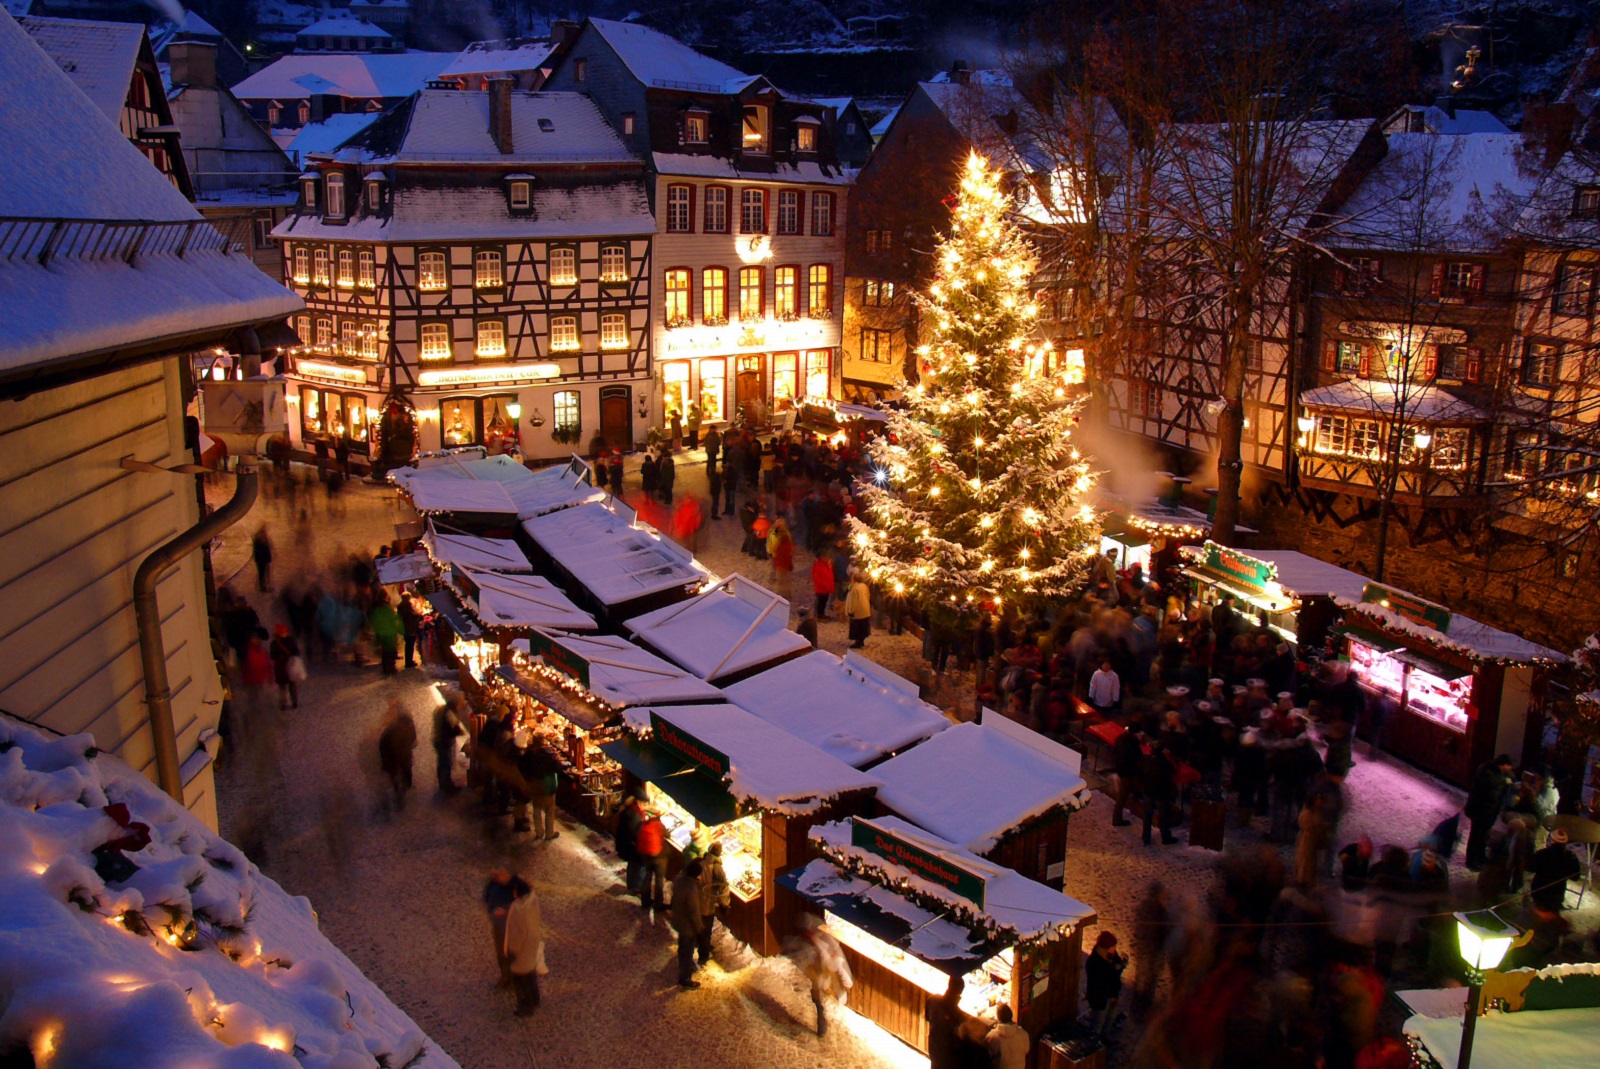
(410, 627)
(396, 747)
(285, 649)
(649, 475)
(614, 473)
(626, 840)
(944, 1018)
(732, 468)
(1549, 872)
(1102, 974)
(1485, 799)
(748, 513)
(446, 730)
(261, 553)
(714, 482)
(688, 920)
(1128, 754)
(666, 475)
(1158, 780)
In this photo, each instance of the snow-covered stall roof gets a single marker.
(1472, 638)
(533, 492)
(728, 628)
(622, 674)
(99, 57)
(1549, 1039)
(849, 707)
(1018, 907)
(928, 936)
(976, 782)
(472, 551)
(768, 769)
(661, 61)
(64, 160)
(100, 970)
(446, 494)
(550, 490)
(363, 76)
(1381, 399)
(1152, 514)
(405, 568)
(615, 559)
(510, 600)
(1308, 576)
(500, 57)
(469, 463)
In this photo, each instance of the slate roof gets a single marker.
(661, 61)
(496, 57)
(363, 76)
(450, 125)
(99, 57)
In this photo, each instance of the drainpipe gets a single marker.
(152, 649)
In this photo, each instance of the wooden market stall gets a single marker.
(850, 707)
(474, 551)
(994, 788)
(1445, 692)
(457, 480)
(718, 774)
(732, 629)
(614, 565)
(1294, 595)
(912, 909)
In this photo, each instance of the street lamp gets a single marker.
(1306, 424)
(514, 410)
(1424, 439)
(1484, 939)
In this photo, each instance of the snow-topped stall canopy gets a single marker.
(1428, 623)
(613, 562)
(1547, 1017)
(728, 631)
(517, 602)
(469, 498)
(468, 482)
(612, 670)
(472, 551)
(131, 935)
(719, 763)
(1294, 595)
(850, 707)
(976, 784)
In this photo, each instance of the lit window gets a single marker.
(488, 269)
(568, 410)
(1366, 438)
(1541, 363)
(785, 292)
(822, 216)
(435, 341)
(878, 292)
(302, 265)
(819, 291)
(753, 211)
(613, 263)
(349, 337)
(755, 128)
(614, 331)
(521, 196)
(304, 111)
(1574, 289)
(320, 260)
(302, 327)
(716, 209)
(678, 220)
(875, 346)
(677, 297)
(878, 241)
(369, 340)
(1073, 370)
(1458, 280)
(785, 379)
(1332, 433)
(335, 194)
(713, 389)
(1450, 449)
(627, 124)
(805, 138)
(788, 211)
(564, 334)
(750, 294)
(274, 114)
(347, 268)
(695, 125)
(366, 275)
(431, 272)
(563, 267)
(491, 338)
(324, 334)
(817, 373)
(714, 296)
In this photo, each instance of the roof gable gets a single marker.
(663, 62)
(99, 57)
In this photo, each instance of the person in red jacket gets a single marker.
(822, 584)
(782, 543)
(652, 863)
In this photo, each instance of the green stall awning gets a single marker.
(705, 799)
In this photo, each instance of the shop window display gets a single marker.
(817, 373)
(675, 388)
(987, 988)
(785, 375)
(740, 839)
(458, 421)
(713, 389)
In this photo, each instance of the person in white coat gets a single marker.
(1105, 688)
(525, 949)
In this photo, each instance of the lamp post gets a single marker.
(1484, 939)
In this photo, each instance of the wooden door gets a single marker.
(616, 419)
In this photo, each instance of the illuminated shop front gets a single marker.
(1293, 595)
(333, 415)
(758, 369)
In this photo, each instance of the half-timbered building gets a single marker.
(750, 204)
(476, 269)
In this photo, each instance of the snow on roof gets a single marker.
(533, 492)
(99, 57)
(521, 601)
(1466, 636)
(75, 970)
(1457, 121)
(1020, 907)
(1308, 576)
(614, 559)
(1382, 398)
(471, 463)
(728, 628)
(849, 707)
(1437, 191)
(661, 61)
(976, 782)
(1555, 1039)
(345, 25)
(327, 135)
(881, 127)
(361, 76)
(674, 163)
(930, 937)
(443, 494)
(449, 125)
(622, 674)
(594, 209)
(500, 57)
(769, 769)
(472, 551)
(550, 490)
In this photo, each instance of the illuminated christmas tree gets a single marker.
(979, 493)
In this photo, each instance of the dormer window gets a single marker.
(305, 112)
(335, 195)
(756, 128)
(1586, 204)
(520, 194)
(374, 192)
(308, 192)
(696, 126)
(805, 135)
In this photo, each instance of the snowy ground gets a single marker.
(400, 895)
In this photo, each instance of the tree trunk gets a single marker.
(1230, 422)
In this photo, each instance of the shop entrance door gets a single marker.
(616, 416)
(752, 385)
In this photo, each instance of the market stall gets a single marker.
(405, 568)
(1549, 1018)
(994, 788)
(732, 629)
(1443, 691)
(474, 551)
(1294, 595)
(850, 707)
(507, 604)
(912, 910)
(568, 692)
(716, 773)
(614, 565)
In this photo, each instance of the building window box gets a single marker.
(714, 321)
(613, 265)
(433, 272)
(678, 322)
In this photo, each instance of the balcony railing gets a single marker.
(45, 240)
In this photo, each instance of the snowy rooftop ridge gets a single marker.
(500, 57)
(1471, 638)
(658, 60)
(167, 951)
(99, 57)
(1385, 400)
(361, 75)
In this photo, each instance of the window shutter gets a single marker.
(1475, 280)
(1436, 289)
(1430, 362)
(1365, 369)
(1330, 355)
(1472, 365)
(693, 189)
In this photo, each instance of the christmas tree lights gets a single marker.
(976, 496)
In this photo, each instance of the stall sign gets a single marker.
(558, 657)
(707, 759)
(1246, 571)
(865, 835)
(1407, 605)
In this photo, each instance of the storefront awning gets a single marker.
(1423, 663)
(706, 801)
(1372, 639)
(575, 711)
(445, 604)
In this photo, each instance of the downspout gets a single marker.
(147, 613)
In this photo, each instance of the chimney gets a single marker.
(193, 63)
(562, 31)
(1447, 104)
(961, 72)
(500, 113)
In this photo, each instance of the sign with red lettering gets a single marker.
(865, 835)
(707, 759)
